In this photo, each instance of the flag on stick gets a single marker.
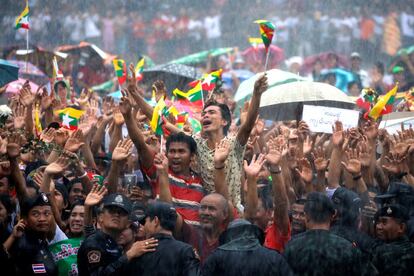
(22, 21)
(384, 104)
(267, 30)
(70, 117)
(120, 70)
(57, 74)
(156, 120)
(139, 68)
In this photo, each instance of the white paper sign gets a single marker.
(321, 118)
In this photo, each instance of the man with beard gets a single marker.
(29, 251)
(99, 254)
(396, 255)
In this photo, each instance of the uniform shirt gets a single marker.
(274, 238)
(394, 258)
(99, 254)
(186, 193)
(205, 160)
(194, 236)
(31, 256)
(171, 258)
(320, 252)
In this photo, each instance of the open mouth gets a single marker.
(206, 122)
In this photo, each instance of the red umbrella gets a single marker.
(254, 55)
(325, 60)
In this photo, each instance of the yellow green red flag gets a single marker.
(384, 104)
(120, 70)
(22, 21)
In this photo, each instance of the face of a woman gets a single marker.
(76, 219)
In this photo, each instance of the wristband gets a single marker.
(277, 171)
(357, 177)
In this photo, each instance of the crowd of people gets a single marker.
(95, 185)
(169, 30)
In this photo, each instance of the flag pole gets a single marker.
(161, 142)
(27, 49)
(267, 58)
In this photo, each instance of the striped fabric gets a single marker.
(186, 193)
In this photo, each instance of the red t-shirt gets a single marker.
(274, 239)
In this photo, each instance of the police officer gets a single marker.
(172, 257)
(99, 254)
(29, 251)
(396, 255)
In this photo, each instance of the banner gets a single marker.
(65, 254)
(321, 118)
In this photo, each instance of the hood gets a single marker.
(241, 235)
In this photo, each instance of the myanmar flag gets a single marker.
(267, 30)
(208, 81)
(156, 121)
(181, 119)
(139, 68)
(23, 20)
(70, 117)
(120, 70)
(194, 96)
(384, 104)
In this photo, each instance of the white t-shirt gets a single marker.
(212, 26)
(407, 24)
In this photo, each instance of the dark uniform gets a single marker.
(241, 253)
(31, 256)
(394, 257)
(99, 253)
(320, 252)
(171, 258)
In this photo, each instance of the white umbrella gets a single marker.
(285, 102)
(275, 77)
(392, 121)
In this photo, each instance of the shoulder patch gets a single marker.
(94, 256)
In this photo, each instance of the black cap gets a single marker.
(395, 190)
(161, 210)
(27, 204)
(394, 211)
(345, 199)
(118, 200)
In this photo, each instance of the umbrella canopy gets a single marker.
(87, 50)
(30, 72)
(406, 51)
(173, 75)
(202, 56)
(14, 87)
(343, 77)
(8, 72)
(254, 55)
(392, 121)
(285, 102)
(310, 61)
(275, 77)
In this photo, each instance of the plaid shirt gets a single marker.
(395, 258)
(320, 252)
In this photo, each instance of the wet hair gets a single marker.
(76, 203)
(318, 207)
(225, 114)
(182, 138)
(165, 212)
(264, 194)
(7, 203)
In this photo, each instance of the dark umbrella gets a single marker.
(87, 51)
(8, 72)
(173, 75)
(254, 55)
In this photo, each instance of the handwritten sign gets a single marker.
(321, 118)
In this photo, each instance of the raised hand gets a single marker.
(45, 100)
(305, 170)
(38, 178)
(364, 153)
(118, 118)
(252, 170)
(85, 125)
(161, 162)
(260, 85)
(307, 145)
(75, 141)
(276, 150)
(337, 134)
(107, 105)
(48, 135)
(96, 195)
(19, 116)
(122, 150)
(18, 229)
(221, 153)
(125, 106)
(160, 89)
(371, 131)
(396, 163)
(59, 166)
(352, 164)
(26, 96)
(319, 160)
(14, 143)
(303, 130)
(61, 136)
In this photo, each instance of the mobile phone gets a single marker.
(129, 180)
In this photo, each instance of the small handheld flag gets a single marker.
(22, 21)
(57, 74)
(384, 104)
(139, 68)
(267, 30)
(120, 70)
(70, 117)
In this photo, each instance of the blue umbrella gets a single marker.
(8, 72)
(343, 77)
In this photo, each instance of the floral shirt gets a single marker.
(234, 163)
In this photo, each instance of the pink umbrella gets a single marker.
(254, 55)
(15, 86)
(309, 62)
